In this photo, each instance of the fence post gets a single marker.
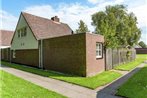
(114, 57)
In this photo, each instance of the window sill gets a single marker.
(99, 57)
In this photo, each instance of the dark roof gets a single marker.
(6, 37)
(44, 28)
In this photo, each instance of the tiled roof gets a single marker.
(6, 37)
(44, 28)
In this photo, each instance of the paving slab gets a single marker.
(64, 88)
(109, 90)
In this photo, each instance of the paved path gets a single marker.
(66, 89)
(109, 90)
(71, 90)
(145, 62)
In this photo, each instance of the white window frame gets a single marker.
(99, 50)
(25, 31)
(22, 32)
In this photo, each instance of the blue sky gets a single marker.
(69, 11)
(16, 6)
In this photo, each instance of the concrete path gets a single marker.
(145, 62)
(71, 90)
(66, 89)
(109, 90)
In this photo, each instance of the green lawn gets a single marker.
(14, 87)
(89, 82)
(136, 86)
(133, 64)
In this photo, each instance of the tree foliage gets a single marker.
(142, 44)
(117, 25)
(82, 27)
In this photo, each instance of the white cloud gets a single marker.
(106, 1)
(96, 1)
(139, 12)
(8, 21)
(93, 1)
(144, 34)
(70, 14)
(144, 37)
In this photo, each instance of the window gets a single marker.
(25, 31)
(18, 33)
(14, 54)
(22, 32)
(99, 51)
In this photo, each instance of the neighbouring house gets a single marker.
(6, 37)
(140, 50)
(52, 45)
(5, 44)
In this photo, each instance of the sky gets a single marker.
(69, 11)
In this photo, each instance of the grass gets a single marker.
(15, 87)
(133, 64)
(89, 82)
(136, 86)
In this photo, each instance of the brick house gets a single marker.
(5, 44)
(6, 37)
(51, 44)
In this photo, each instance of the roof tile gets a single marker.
(6, 37)
(44, 28)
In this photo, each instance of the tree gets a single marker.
(82, 27)
(142, 44)
(117, 25)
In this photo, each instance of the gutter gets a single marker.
(41, 53)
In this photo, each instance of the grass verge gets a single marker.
(133, 64)
(136, 86)
(89, 82)
(15, 87)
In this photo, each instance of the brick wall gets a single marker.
(5, 54)
(65, 54)
(94, 65)
(74, 54)
(27, 57)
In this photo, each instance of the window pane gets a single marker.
(22, 32)
(97, 46)
(97, 53)
(100, 53)
(98, 50)
(25, 31)
(18, 33)
(100, 46)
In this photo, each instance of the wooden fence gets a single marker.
(116, 57)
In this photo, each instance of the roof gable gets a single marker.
(6, 37)
(44, 28)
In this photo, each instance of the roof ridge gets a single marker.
(42, 17)
(6, 30)
(45, 28)
(35, 15)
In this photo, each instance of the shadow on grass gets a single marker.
(88, 82)
(35, 70)
(111, 90)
